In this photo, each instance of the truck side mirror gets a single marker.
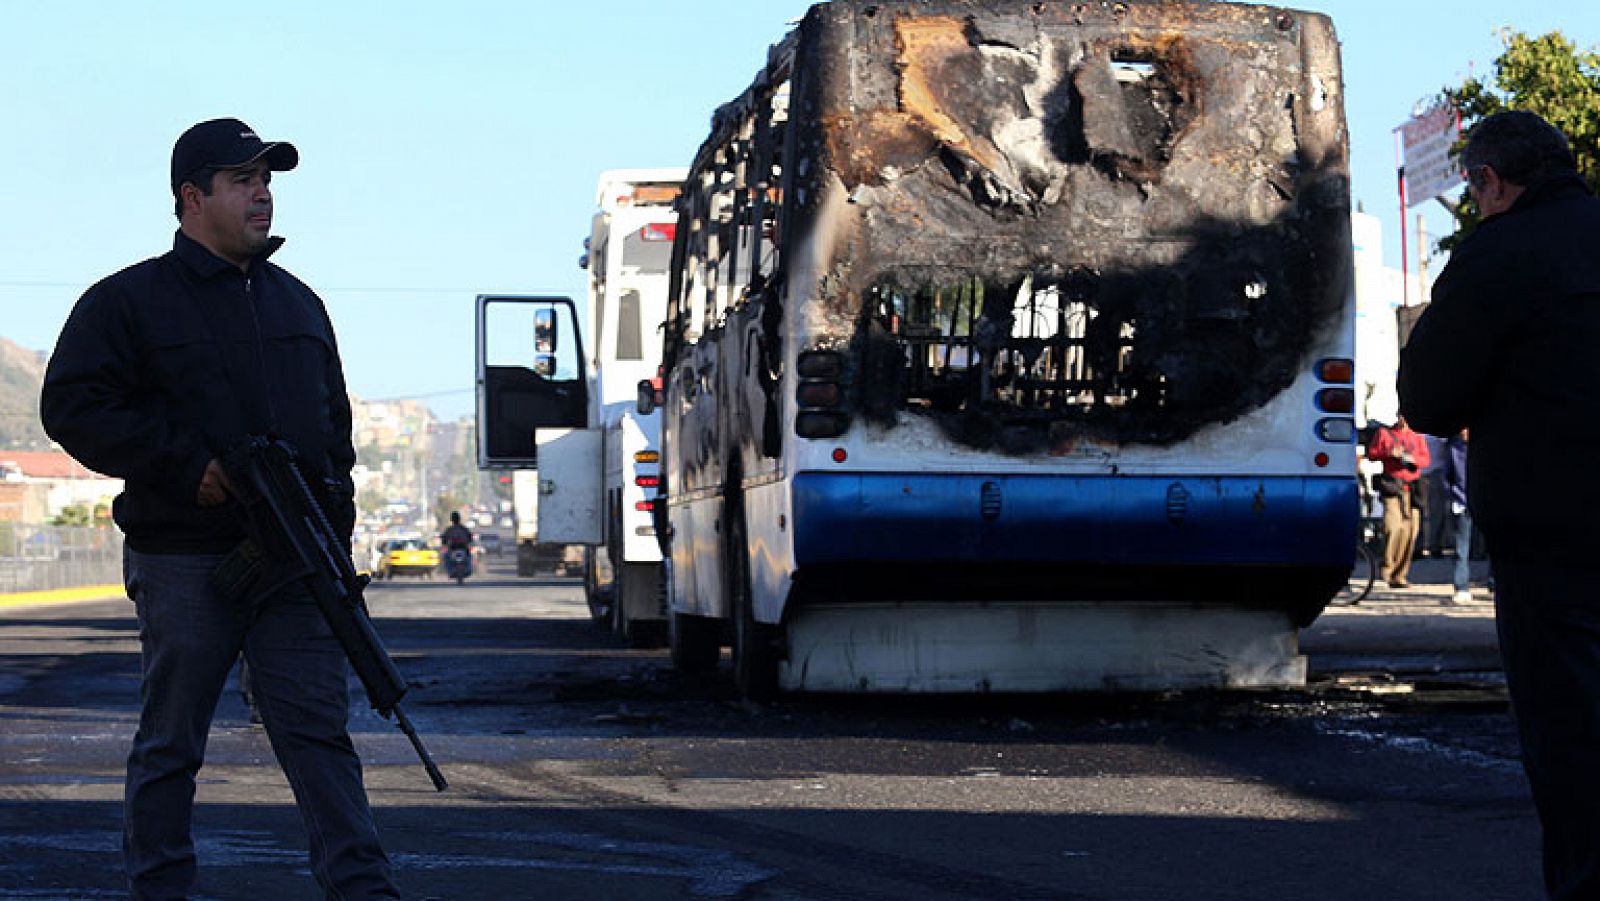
(649, 397)
(544, 331)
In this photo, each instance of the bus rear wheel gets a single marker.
(597, 598)
(636, 605)
(755, 644)
(695, 641)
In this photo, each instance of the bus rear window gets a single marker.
(1145, 356)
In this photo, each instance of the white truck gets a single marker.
(597, 472)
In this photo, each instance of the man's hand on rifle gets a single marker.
(214, 486)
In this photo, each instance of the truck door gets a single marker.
(530, 376)
(570, 499)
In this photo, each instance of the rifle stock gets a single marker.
(294, 536)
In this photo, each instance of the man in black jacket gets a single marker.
(1510, 347)
(158, 371)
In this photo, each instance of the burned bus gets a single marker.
(1008, 348)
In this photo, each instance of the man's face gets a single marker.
(235, 220)
(1494, 194)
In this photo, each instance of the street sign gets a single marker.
(1429, 169)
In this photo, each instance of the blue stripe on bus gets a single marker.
(1179, 520)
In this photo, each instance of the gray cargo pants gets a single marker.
(190, 638)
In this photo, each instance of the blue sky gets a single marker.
(452, 149)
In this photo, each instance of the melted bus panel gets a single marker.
(1120, 221)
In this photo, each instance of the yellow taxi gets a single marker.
(406, 557)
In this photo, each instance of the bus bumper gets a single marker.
(1038, 647)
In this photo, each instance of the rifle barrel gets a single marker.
(422, 752)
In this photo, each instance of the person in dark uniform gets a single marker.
(158, 371)
(1437, 529)
(1507, 348)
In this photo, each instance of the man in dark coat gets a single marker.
(1510, 347)
(160, 369)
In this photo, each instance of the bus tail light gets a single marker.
(1336, 400)
(820, 424)
(647, 481)
(647, 456)
(645, 506)
(821, 364)
(1337, 431)
(820, 395)
(1336, 371)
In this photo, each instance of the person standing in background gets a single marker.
(1454, 466)
(1437, 531)
(1404, 455)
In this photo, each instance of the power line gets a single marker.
(422, 396)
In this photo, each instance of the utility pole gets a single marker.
(1422, 259)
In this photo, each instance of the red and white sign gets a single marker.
(1425, 142)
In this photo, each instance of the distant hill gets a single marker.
(21, 374)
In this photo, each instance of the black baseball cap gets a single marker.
(225, 144)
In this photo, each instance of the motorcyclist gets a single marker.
(455, 535)
(455, 542)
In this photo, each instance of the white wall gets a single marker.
(1378, 296)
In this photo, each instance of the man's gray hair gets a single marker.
(1521, 147)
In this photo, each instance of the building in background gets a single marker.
(408, 461)
(1380, 312)
(35, 486)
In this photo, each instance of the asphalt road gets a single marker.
(580, 769)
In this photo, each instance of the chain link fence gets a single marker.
(42, 558)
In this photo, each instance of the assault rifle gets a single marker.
(291, 539)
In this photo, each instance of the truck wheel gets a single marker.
(599, 600)
(620, 624)
(755, 644)
(637, 596)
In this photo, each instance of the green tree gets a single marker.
(1547, 75)
(74, 515)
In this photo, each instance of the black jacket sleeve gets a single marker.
(1453, 354)
(93, 404)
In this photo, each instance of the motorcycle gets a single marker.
(458, 563)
